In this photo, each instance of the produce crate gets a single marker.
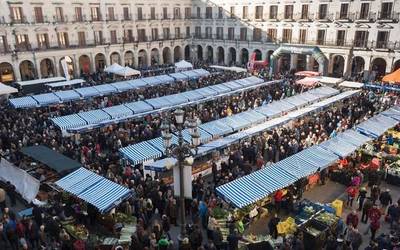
(311, 241)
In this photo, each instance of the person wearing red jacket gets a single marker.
(374, 214)
(352, 219)
(278, 199)
(351, 195)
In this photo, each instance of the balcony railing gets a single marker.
(21, 20)
(96, 18)
(303, 16)
(389, 16)
(23, 47)
(127, 17)
(323, 16)
(43, 19)
(60, 19)
(345, 16)
(362, 16)
(111, 18)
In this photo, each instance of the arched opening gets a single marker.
(357, 66)
(187, 53)
(378, 68)
(115, 58)
(154, 57)
(258, 54)
(269, 53)
(232, 56)
(6, 72)
(284, 63)
(220, 55)
(47, 68)
(100, 62)
(69, 66)
(128, 57)
(199, 52)
(315, 65)
(210, 54)
(301, 62)
(84, 64)
(338, 66)
(27, 70)
(396, 65)
(244, 56)
(177, 54)
(167, 55)
(142, 58)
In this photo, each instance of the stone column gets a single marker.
(293, 61)
(310, 62)
(92, 63)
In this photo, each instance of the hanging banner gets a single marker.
(65, 69)
(187, 181)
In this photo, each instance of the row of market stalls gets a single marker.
(223, 132)
(46, 99)
(101, 117)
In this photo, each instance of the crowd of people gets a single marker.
(154, 204)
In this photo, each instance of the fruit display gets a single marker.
(125, 219)
(327, 218)
(313, 231)
(252, 238)
(77, 231)
(219, 213)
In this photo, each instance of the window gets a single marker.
(304, 11)
(95, 13)
(166, 33)
(273, 12)
(220, 12)
(245, 12)
(209, 13)
(340, 38)
(257, 34)
(127, 15)
(128, 36)
(243, 34)
(259, 12)
(302, 36)
(286, 35)
(59, 15)
(98, 37)
(113, 37)
(152, 13)
(321, 37)
(344, 10)
(154, 34)
(231, 33)
(360, 38)
(197, 32)
(177, 32)
(111, 16)
(141, 35)
(323, 11)
(165, 13)
(220, 33)
(63, 39)
(78, 14)
(177, 13)
(232, 11)
(208, 33)
(271, 34)
(288, 11)
(16, 14)
(188, 12)
(3, 44)
(22, 42)
(43, 41)
(198, 12)
(382, 39)
(188, 32)
(38, 14)
(386, 11)
(81, 38)
(364, 11)
(139, 13)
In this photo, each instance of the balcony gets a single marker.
(60, 19)
(127, 17)
(22, 20)
(23, 47)
(365, 16)
(273, 17)
(303, 17)
(324, 17)
(96, 18)
(111, 18)
(80, 18)
(40, 20)
(288, 17)
(388, 17)
(344, 17)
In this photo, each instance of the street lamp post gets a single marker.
(181, 151)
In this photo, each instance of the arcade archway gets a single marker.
(100, 62)
(27, 70)
(47, 68)
(167, 55)
(220, 55)
(232, 56)
(244, 56)
(84, 64)
(6, 72)
(199, 52)
(357, 66)
(379, 67)
(338, 66)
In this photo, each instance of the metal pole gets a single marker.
(181, 185)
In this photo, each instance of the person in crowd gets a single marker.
(352, 219)
(362, 194)
(366, 207)
(351, 194)
(374, 214)
(375, 192)
(355, 238)
(385, 199)
(272, 226)
(393, 214)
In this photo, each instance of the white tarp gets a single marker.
(127, 71)
(328, 80)
(347, 84)
(65, 83)
(183, 65)
(233, 68)
(25, 184)
(5, 89)
(115, 67)
(41, 81)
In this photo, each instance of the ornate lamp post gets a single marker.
(181, 152)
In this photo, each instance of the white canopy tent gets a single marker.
(127, 71)
(41, 81)
(233, 68)
(65, 83)
(115, 67)
(6, 90)
(348, 84)
(183, 65)
(328, 80)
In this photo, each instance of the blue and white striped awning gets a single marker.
(318, 156)
(309, 97)
(352, 137)
(252, 116)
(152, 81)
(139, 107)
(46, 99)
(297, 166)
(88, 92)
(235, 122)
(105, 89)
(69, 121)
(140, 152)
(201, 72)
(297, 101)
(324, 91)
(275, 108)
(204, 136)
(232, 85)
(158, 142)
(122, 86)
(220, 88)
(95, 116)
(138, 83)
(206, 91)
(67, 95)
(216, 128)
(192, 95)
(94, 189)
(165, 79)
(176, 99)
(338, 147)
(118, 111)
(376, 126)
(238, 136)
(159, 102)
(393, 113)
(179, 76)
(190, 74)
(333, 99)
(23, 102)
(160, 165)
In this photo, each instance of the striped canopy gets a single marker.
(88, 92)
(338, 147)
(139, 107)
(216, 128)
(23, 102)
(105, 89)
(122, 86)
(67, 95)
(140, 152)
(118, 111)
(376, 126)
(94, 116)
(94, 189)
(69, 121)
(46, 99)
(232, 85)
(393, 113)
